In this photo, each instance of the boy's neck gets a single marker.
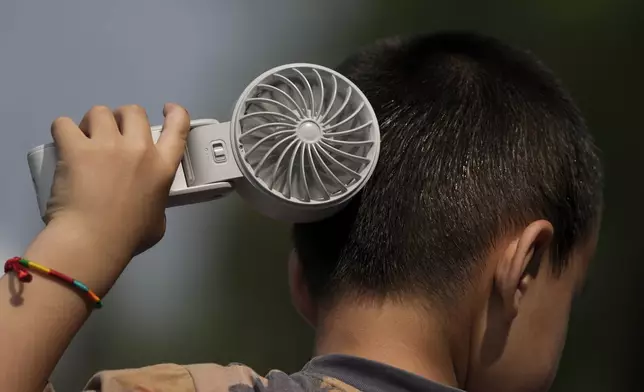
(402, 337)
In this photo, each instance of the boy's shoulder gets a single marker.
(170, 377)
(329, 373)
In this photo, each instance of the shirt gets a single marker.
(328, 373)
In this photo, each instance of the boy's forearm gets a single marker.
(38, 320)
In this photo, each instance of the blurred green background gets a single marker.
(215, 289)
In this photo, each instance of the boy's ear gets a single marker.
(300, 295)
(519, 266)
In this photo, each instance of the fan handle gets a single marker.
(205, 173)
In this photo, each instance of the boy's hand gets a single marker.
(112, 181)
(108, 200)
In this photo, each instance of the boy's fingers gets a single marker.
(176, 126)
(65, 132)
(133, 123)
(99, 123)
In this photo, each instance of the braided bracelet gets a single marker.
(21, 268)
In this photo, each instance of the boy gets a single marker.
(454, 269)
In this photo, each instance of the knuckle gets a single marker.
(137, 148)
(109, 145)
(85, 150)
(60, 122)
(99, 110)
(133, 109)
(91, 152)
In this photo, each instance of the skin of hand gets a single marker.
(108, 203)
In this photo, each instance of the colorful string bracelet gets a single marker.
(21, 268)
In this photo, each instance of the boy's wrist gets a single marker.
(85, 251)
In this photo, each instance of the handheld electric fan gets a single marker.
(302, 141)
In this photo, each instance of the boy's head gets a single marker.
(480, 217)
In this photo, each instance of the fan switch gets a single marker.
(219, 152)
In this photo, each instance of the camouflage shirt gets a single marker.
(330, 373)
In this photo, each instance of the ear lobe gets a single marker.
(300, 296)
(521, 261)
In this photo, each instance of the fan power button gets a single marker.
(219, 151)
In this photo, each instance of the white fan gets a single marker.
(302, 141)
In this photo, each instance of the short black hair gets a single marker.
(477, 138)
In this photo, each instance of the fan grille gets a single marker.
(306, 134)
